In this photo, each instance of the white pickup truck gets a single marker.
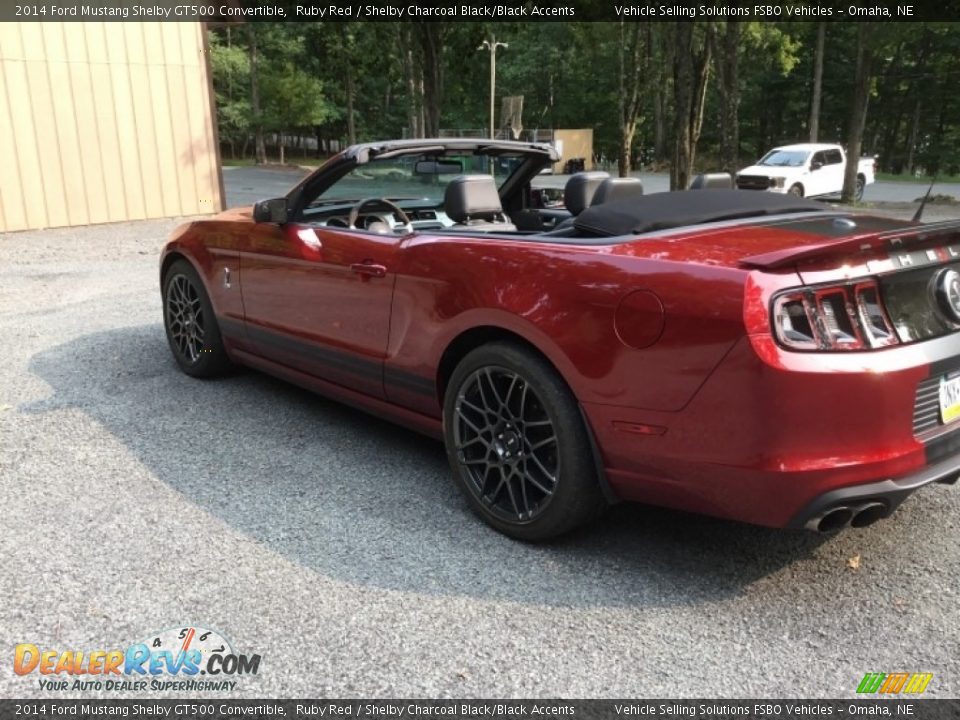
(806, 170)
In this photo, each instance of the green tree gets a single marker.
(231, 78)
(292, 100)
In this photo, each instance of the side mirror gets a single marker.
(271, 211)
(816, 165)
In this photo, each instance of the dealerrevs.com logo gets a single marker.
(179, 659)
(894, 683)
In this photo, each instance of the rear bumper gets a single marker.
(886, 493)
(777, 438)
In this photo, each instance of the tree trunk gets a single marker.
(891, 136)
(858, 114)
(624, 164)
(921, 68)
(817, 83)
(728, 71)
(348, 60)
(702, 68)
(914, 134)
(414, 95)
(658, 80)
(431, 45)
(632, 79)
(351, 117)
(260, 148)
(682, 102)
(659, 129)
(691, 71)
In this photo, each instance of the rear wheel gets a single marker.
(860, 187)
(192, 330)
(796, 190)
(518, 445)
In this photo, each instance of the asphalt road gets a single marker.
(246, 185)
(335, 545)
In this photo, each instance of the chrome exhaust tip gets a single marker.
(833, 520)
(868, 514)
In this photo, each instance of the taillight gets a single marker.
(873, 316)
(843, 317)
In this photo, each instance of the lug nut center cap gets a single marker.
(507, 445)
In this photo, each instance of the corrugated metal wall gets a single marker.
(101, 122)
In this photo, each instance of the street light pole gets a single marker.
(492, 46)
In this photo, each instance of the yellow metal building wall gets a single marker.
(102, 122)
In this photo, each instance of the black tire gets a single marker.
(859, 188)
(502, 406)
(796, 190)
(191, 326)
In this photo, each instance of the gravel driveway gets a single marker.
(335, 545)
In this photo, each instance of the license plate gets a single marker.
(950, 399)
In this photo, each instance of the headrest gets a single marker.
(712, 181)
(617, 188)
(472, 197)
(580, 188)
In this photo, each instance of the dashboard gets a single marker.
(421, 220)
(338, 216)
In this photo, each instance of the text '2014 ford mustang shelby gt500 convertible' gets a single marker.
(751, 356)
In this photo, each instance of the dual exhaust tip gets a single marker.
(841, 516)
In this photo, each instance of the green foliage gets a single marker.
(310, 74)
(774, 45)
(292, 99)
(231, 81)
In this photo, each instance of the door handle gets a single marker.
(370, 269)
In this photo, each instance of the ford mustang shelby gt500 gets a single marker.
(751, 356)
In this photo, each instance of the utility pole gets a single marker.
(492, 46)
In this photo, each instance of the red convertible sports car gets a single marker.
(747, 355)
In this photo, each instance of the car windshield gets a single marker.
(785, 158)
(415, 177)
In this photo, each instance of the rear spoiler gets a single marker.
(915, 238)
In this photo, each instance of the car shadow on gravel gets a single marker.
(361, 500)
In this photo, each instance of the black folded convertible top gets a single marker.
(663, 211)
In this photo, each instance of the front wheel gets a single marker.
(796, 190)
(518, 445)
(192, 330)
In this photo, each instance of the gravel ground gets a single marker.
(335, 545)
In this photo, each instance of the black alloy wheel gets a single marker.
(191, 327)
(518, 445)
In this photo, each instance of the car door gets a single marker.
(817, 181)
(317, 299)
(833, 172)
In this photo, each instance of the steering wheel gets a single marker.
(383, 202)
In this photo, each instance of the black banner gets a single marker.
(212, 709)
(227, 11)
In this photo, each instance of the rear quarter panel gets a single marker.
(563, 300)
